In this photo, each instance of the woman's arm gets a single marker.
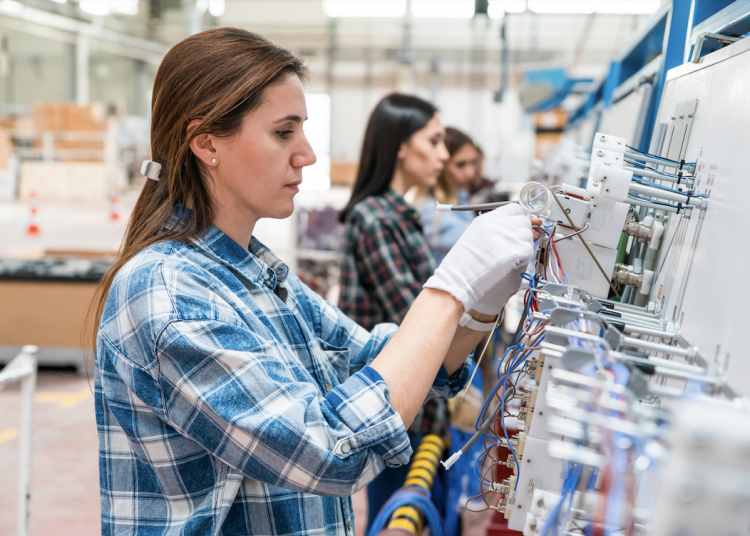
(484, 261)
(428, 338)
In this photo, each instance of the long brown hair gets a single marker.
(216, 77)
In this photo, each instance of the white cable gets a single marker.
(525, 198)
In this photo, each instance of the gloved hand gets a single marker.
(493, 246)
(492, 302)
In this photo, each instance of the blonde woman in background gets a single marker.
(443, 229)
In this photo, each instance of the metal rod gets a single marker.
(633, 308)
(658, 347)
(481, 206)
(656, 192)
(655, 206)
(633, 328)
(658, 362)
(28, 386)
(641, 318)
(654, 175)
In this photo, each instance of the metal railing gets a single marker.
(23, 369)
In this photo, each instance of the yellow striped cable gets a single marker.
(421, 474)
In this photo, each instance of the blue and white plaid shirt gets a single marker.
(223, 409)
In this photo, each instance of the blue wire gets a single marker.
(688, 164)
(662, 187)
(658, 202)
(408, 497)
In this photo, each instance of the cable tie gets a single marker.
(679, 176)
(679, 206)
(682, 163)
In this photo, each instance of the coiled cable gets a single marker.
(526, 199)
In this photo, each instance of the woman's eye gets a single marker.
(283, 133)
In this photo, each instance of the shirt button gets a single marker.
(328, 387)
(279, 271)
(346, 448)
(349, 525)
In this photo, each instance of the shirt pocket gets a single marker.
(337, 360)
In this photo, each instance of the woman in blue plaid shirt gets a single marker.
(231, 399)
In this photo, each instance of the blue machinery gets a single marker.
(678, 32)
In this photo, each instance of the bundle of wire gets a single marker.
(665, 160)
(657, 201)
(624, 453)
(408, 497)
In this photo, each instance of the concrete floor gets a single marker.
(65, 473)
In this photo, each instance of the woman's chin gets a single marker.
(281, 212)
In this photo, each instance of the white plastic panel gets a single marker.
(702, 268)
(627, 116)
(538, 471)
(581, 269)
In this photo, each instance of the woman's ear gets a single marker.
(402, 151)
(202, 146)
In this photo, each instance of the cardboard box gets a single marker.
(343, 172)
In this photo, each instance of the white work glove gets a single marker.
(494, 301)
(493, 246)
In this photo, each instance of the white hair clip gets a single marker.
(151, 169)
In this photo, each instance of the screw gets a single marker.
(690, 114)
(567, 211)
(528, 461)
(682, 115)
(519, 506)
(599, 153)
(541, 413)
(672, 118)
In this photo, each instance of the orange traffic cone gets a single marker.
(34, 202)
(115, 204)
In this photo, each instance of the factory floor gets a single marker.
(65, 473)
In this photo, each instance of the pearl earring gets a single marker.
(213, 160)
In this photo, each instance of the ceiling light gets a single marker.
(201, 6)
(443, 9)
(60, 1)
(95, 7)
(216, 7)
(498, 8)
(126, 7)
(631, 7)
(364, 8)
(11, 6)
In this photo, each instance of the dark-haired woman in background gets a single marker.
(386, 259)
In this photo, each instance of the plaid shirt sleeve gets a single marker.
(228, 391)
(390, 273)
(339, 331)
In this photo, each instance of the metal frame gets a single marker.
(23, 369)
(61, 28)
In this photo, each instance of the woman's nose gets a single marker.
(305, 156)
